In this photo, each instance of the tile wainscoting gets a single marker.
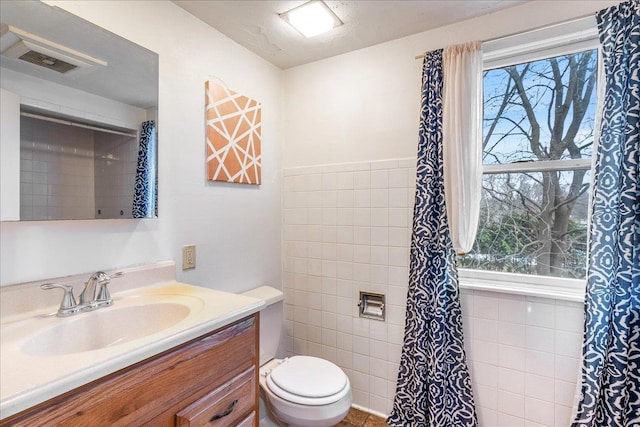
(347, 228)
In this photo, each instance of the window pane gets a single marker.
(532, 223)
(541, 110)
(536, 223)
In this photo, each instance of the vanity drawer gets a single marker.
(229, 402)
(249, 421)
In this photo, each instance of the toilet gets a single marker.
(299, 391)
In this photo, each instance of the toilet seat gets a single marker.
(307, 380)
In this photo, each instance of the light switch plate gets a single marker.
(189, 257)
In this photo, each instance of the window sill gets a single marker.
(518, 284)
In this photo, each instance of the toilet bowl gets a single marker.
(300, 391)
(305, 391)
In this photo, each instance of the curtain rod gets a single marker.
(80, 125)
(422, 55)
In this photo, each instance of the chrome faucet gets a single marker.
(88, 295)
(90, 299)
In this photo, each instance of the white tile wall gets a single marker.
(81, 172)
(116, 158)
(56, 180)
(347, 229)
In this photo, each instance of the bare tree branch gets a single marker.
(541, 109)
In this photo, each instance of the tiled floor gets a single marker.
(359, 418)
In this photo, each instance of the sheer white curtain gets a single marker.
(462, 137)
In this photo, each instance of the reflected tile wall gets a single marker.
(116, 158)
(347, 229)
(56, 180)
(83, 174)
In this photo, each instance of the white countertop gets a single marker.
(28, 379)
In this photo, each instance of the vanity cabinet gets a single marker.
(215, 376)
(224, 406)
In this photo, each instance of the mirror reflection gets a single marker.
(79, 128)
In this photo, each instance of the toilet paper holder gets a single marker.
(371, 305)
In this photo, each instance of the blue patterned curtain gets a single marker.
(610, 377)
(145, 194)
(434, 387)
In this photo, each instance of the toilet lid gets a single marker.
(308, 380)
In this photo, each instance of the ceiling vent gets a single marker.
(18, 44)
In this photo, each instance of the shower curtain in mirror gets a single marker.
(145, 194)
(610, 376)
(434, 387)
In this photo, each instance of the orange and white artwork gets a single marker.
(233, 136)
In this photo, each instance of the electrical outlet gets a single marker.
(189, 257)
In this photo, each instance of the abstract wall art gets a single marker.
(233, 133)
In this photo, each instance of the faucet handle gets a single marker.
(103, 294)
(68, 306)
(104, 297)
(116, 274)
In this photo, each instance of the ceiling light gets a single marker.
(312, 18)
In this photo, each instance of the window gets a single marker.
(538, 138)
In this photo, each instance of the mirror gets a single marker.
(78, 118)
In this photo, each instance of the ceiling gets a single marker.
(255, 24)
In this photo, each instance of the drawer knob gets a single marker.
(225, 413)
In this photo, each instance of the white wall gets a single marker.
(9, 151)
(236, 228)
(45, 95)
(364, 105)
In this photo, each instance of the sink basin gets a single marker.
(43, 356)
(104, 328)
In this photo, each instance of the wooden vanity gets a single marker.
(213, 377)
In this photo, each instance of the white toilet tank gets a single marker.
(270, 320)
